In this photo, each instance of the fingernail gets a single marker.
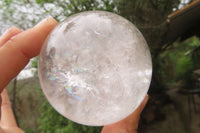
(44, 20)
(47, 20)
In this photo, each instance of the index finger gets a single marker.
(16, 52)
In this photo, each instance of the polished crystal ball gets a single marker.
(95, 68)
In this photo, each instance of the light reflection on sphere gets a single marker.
(95, 68)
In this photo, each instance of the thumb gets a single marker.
(7, 118)
(129, 124)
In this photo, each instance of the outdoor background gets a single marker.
(174, 104)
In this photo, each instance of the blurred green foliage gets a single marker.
(50, 121)
(177, 62)
(34, 62)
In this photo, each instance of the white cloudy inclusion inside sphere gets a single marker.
(95, 68)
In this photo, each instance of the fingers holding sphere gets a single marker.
(17, 51)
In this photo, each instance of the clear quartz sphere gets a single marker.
(95, 68)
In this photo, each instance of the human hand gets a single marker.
(16, 49)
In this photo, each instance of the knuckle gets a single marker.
(13, 30)
(5, 105)
(11, 40)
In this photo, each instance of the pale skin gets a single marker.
(16, 49)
